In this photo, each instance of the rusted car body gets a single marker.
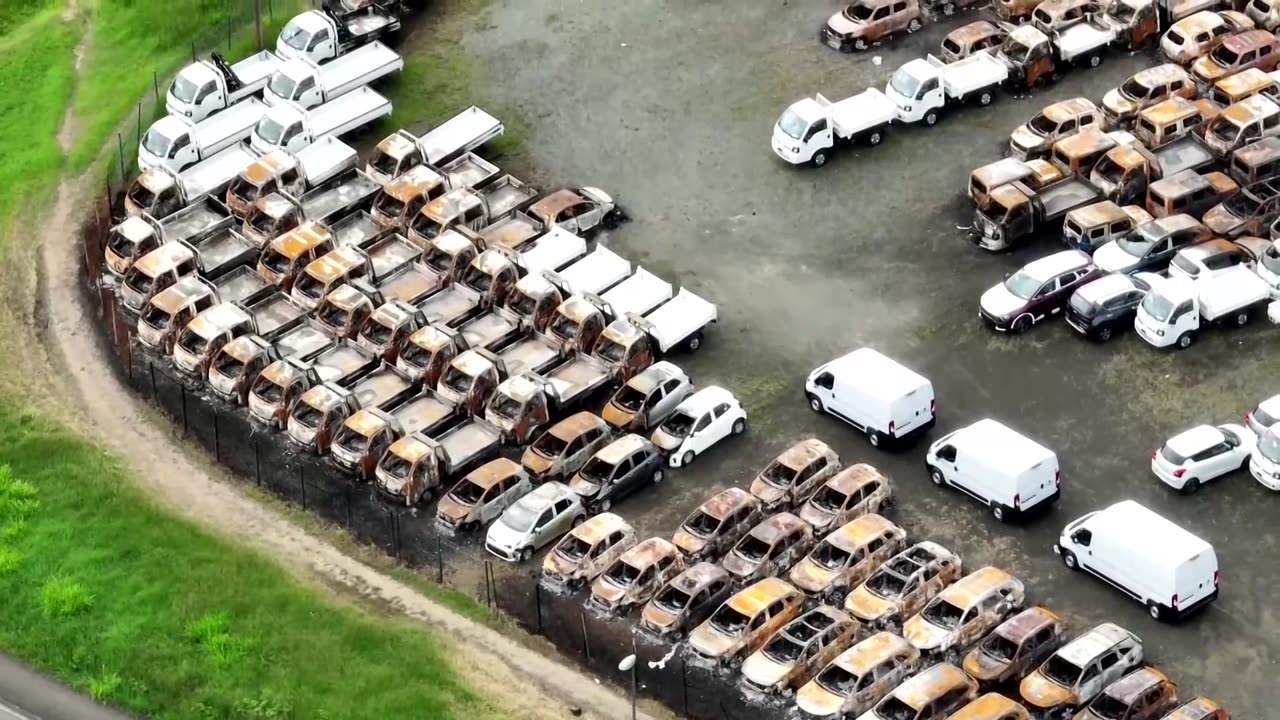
(771, 548)
(685, 601)
(1251, 48)
(428, 351)
(718, 524)
(319, 412)
(1135, 22)
(365, 436)
(565, 447)
(1053, 16)
(1035, 174)
(1249, 212)
(1192, 37)
(482, 495)
(963, 612)
(939, 691)
(514, 232)
(1146, 88)
(978, 36)
(153, 273)
(1248, 120)
(402, 198)
(286, 255)
(1171, 119)
(1035, 138)
(1015, 11)
(1144, 694)
(586, 551)
(1199, 708)
(238, 364)
(992, 706)
(646, 399)
(1076, 155)
(635, 577)
(344, 310)
(795, 474)
(1243, 85)
(278, 387)
(1188, 192)
(170, 310)
(858, 678)
(867, 21)
(1016, 646)
(797, 651)
(854, 491)
(1090, 227)
(903, 585)
(469, 380)
(534, 300)
(327, 273)
(388, 327)
(743, 623)
(1256, 162)
(1079, 670)
(846, 557)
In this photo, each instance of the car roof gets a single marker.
(177, 295)
(1197, 708)
(1056, 264)
(549, 205)
(871, 652)
(991, 706)
(1069, 108)
(1025, 623)
(892, 379)
(857, 532)
(164, 258)
(972, 588)
(853, 477)
(1190, 442)
(800, 455)
(545, 495)
(1086, 648)
(1105, 287)
(1128, 688)
(648, 551)
(726, 502)
(1248, 40)
(490, 473)
(772, 528)
(756, 597)
(622, 448)
(1203, 20)
(1161, 74)
(576, 424)
(1028, 35)
(654, 375)
(600, 526)
(930, 684)
(1098, 213)
(974, 31)
(698, 576)
(1172, 223)
(1171, 110)
(705, 399)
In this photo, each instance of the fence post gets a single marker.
(586, 644)
(684, 683)
(488, 598)
(128, 348)
(111, 210)
(155, 85)
(185, 428)
(139, 134)
(120, 147)
(302, 485)
(228, 33)
(537, 605)
(346, 500)
(193, 51)
(155, 397)
(439, 561)
(217, 446)
(257, 460)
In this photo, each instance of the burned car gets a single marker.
(648, 398)
(845, 558)
(963, 612)
(1078, 671)
(858, 678)
(797, 651)
(580, 210)
(1144, 694)
(978, 36)
(587, 551)
(635, 577)
(856, 490)
(1146, 88)
(1199, 708)
(718, 524)
(770, 548)
(935, 693)
(1016, 645)
(992, 706)
(483, 495)
(903, 585)
(565, 447)
(795, 474)
(685, 601)
(743, 623)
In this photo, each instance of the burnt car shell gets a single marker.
(695, 540)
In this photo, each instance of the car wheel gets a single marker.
(1154, 611)
(997, 511)
(875, 138)
(1104, 334)
(526, 554)
(604, 505)
(819, 158)
(874, 438)
(739, 426)
(914, 25)
(1069, 559)
(935, 474)
(1191, 486)
(815, 404)
(695, 341)
(658, 474)
(1185, 340)
(685, 461)
(578, 520)
(1021, 324)
(860, 44)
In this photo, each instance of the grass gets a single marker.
(146, 611)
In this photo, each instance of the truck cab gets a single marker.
(469, 380)
(519, 408)
(1256, 162)
(1055, 16)
(428, 351)
(1076, 155)
(336, 268)
(1035, 174)
(403, 198)
(365, 436)
(491, 275)
(1015, 211)
(394, 155)
(206, 334)
(534, 300)
(1249, 120)
(1029, 54)
(1174, 311)
(156, 191)
(287, 255)
(275, 172)
(320, 412)
(449, 254)
(271, 216)
(1174, 118)
(577, 324)
(409, 469)
(625, 349)
(1188, 192)
(273, 394)
(134, 237)
(1056, 122)
(170, 311)
(385, 331)
(1135, 20)
(237, 364)
(154, 272)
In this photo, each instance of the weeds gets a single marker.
(64, 597)
(104, 685)
(9, 559)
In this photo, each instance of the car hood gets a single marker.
(1206, 68)
(811, 577)
(583, 487)
(453, 510)
(665, 441)
(1220, 221)
(765, 672)
(735, 564)
(766, 492)
(844, 26)
(1023, 137)
(817, 700)
(561, 567)
(1042, 693)
(606, 593)
(535, 463)
(866, 606)
(616, 416)
(658, 619)
(711, 643)
(1110, 258)
(982, 666)
(817, 517)
(688, 543)
(500, 535)
(1118, 104)
(999, 302)
(924, 635)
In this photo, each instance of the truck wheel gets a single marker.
(1069, 559)
(815, 404)
(1242, 318)
(860, 44)
(874, 138)
(931, 118)
(819, 158)
(914, 25)
(1185, 340)
(985, 98)
(1095, 60)
(694, 342)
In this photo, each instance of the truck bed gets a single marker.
(235, 122)
(222, 251)
(391, 254)
(303, 342)
(379, 389)
(470, 170)
(325, 159)
(348, 112)
(578, 377)
(1082, 38)
(489, 329)
(411, 284)
(348, 361)
(1185, 153)
(275, 314)
(678, 318)
(427, 414)
(595, 273)
(512, 232)
(362, 24)
(465, 443)
(465, 131)
(639, 294)
(506, 194)
(321, 204)
(214, 172)
(255, 69)
(1230, 292)
(242, 285)
(358, 68)
(195, 221)
(451, 306)
(978, 71)
(557, 248)
(533, 353)
(868, 109)
(1062, 198)
(358, 229)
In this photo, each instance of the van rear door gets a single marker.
(911, 410)
(1036, 483)
(1196, 578)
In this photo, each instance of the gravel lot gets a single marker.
(668, 105)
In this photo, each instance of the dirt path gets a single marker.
(520, 680)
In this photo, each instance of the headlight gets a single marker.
(906, 109)
(1159, 333)
(795, 149)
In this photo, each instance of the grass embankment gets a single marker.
(134, 606)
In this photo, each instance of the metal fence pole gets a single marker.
(120, 147)
(111, 211)
(586, 644)
(257, 461)
(139, 133)
(155, 85)
(488, 598)
(537, 604)
(346, 501)
(684, 683)
(155, 397)
(439, 561)
(217, 446)
(302, 484)
(185, 428)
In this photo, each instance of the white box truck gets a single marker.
(308, 83)
(1166, 568)
(462, 133)
(291, 127)
(989, 461)
(323, 36)
(813, 127)
(921, 89)
(1175, 310)
(880, 397)
(209, 86)
(161, 191)
(177, 142)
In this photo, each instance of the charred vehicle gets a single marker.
(858, 678)
(562, 450)
(845, 558)
(1016, 646)
(635, 577)
(483, 495)
(685, 602)
(903, 585)
(963, 612)
(795, 474)
(854, 491)
(586, 551)
(743, 623)
(718, 524)
(771, 548)
(798, 651)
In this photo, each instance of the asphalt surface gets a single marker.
(27, 695)
(669, 104)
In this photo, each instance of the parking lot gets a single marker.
(668, 106)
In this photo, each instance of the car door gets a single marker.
(1214, 461)
(589, 215)
(805, 480)
(701, 437)
(649, 411)
(562, 517)
(1041, 303)
(544, 528)
(720, 425)
(879, 24)
(624, 478)
(672, 397)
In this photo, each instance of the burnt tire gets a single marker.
(1069, 559)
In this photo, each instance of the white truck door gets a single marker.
(818, 137)
(183, 152)
(1184, 318)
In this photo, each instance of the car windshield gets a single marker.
(894, 709)
(505, 406)
(549, 446)
(183, 89)
(1014, 50)
(193, 343)
(829, 499)
(1082, 306)
(629, 398)
(1134, 90)
(227, 365)
(1183, 263)
(520, 517)
(395, 466)
(1137, 243)
(350, 440)
(294, 36)
(837, 680)
(1243, 205)
(886, 584)
(137, 281)
(1108, 708)
(783, 649)
(1061, 671)
(267, 390)
(673, 599)
(308, 416)
(383, 163)
(1271, 259)
(752, 548)
(829, 556)
(701, 524)
(858, 12)
(1021, 284)
(1269, 445)
(610, 350)
(310, 287)
(573, 548)
(1042, 125)
(377, 333)
(1224, 131)
(904, 83)
(943, 614)
(282, 86)
(999, 647)
(457, 380)
(622, 574)
(141, 195)
(1225, 56)
(729, 621)
(792, 125)
(1109, 169)
(522, 304)
(679, 424)
(156, 143)
(1157, 306)
(778, 475)
(596, 470)
(269, 130)
(437, 259)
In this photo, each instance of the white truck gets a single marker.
(462, 133)
(322, 36)
(311, 167)
(161, 191)
(1033, 57)
(307, 83)
(921, 89)
(177, 142)
(291, 127)
(209, 86)
(811, 128)
(1174, 311)
(595, 273)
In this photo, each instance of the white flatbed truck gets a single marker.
(208, 86)
(1175, 310)
(291, 127)
(921, 89)
(812, 128)
(177, 142)
(323, 36)
(308, 83)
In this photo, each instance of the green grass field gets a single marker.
(129, 604)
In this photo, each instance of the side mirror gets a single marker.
(1008, 275)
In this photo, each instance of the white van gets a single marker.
(1008, 471)
(874, 394)
(1157, 563)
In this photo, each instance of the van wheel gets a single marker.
(997, 511)
(815, 404)
(914, 25)
(1185, 340)
(739, 426)
(1242, 318)
(1069, 559)
(1154, 611)
(874, 438)
(1191, 486)
(935, 475)
(819, 158)
(695, 341)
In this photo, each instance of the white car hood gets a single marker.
(1111, 258)
(500, 535)
(999, 302)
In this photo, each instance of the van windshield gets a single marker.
(1061, 671)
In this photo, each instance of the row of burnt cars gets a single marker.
(409, 326)
(1171, 175)
(801, 587)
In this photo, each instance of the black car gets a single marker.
(622, 467)
(1107, 305)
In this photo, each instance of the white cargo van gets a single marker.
(874, 394)
(1152, 560)
(1008, 471)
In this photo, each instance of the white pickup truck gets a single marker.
(922, 88)
(462, 133)
(177, 142)
(307, 83)
(209, 86)
(1174, 311)
(323, 36)
(291, 127)
(161, 191)
(811, 128)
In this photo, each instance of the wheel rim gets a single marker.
(605, 505)
(695, 342)
(1069, 559)
(985, 99)
(1184, 341)
(936, 476)
(739, 426)
(874, 439)
(1021, 324)
(815, 405)
(1105, 334)
(998, 512)
(526, 553)
(874, 139)
(820, 159)
(657, 475)
(930, 119)
(1242, 319)
(687, 460)
(1155, 611)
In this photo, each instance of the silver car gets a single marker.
(533, 521)
(648, 398)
